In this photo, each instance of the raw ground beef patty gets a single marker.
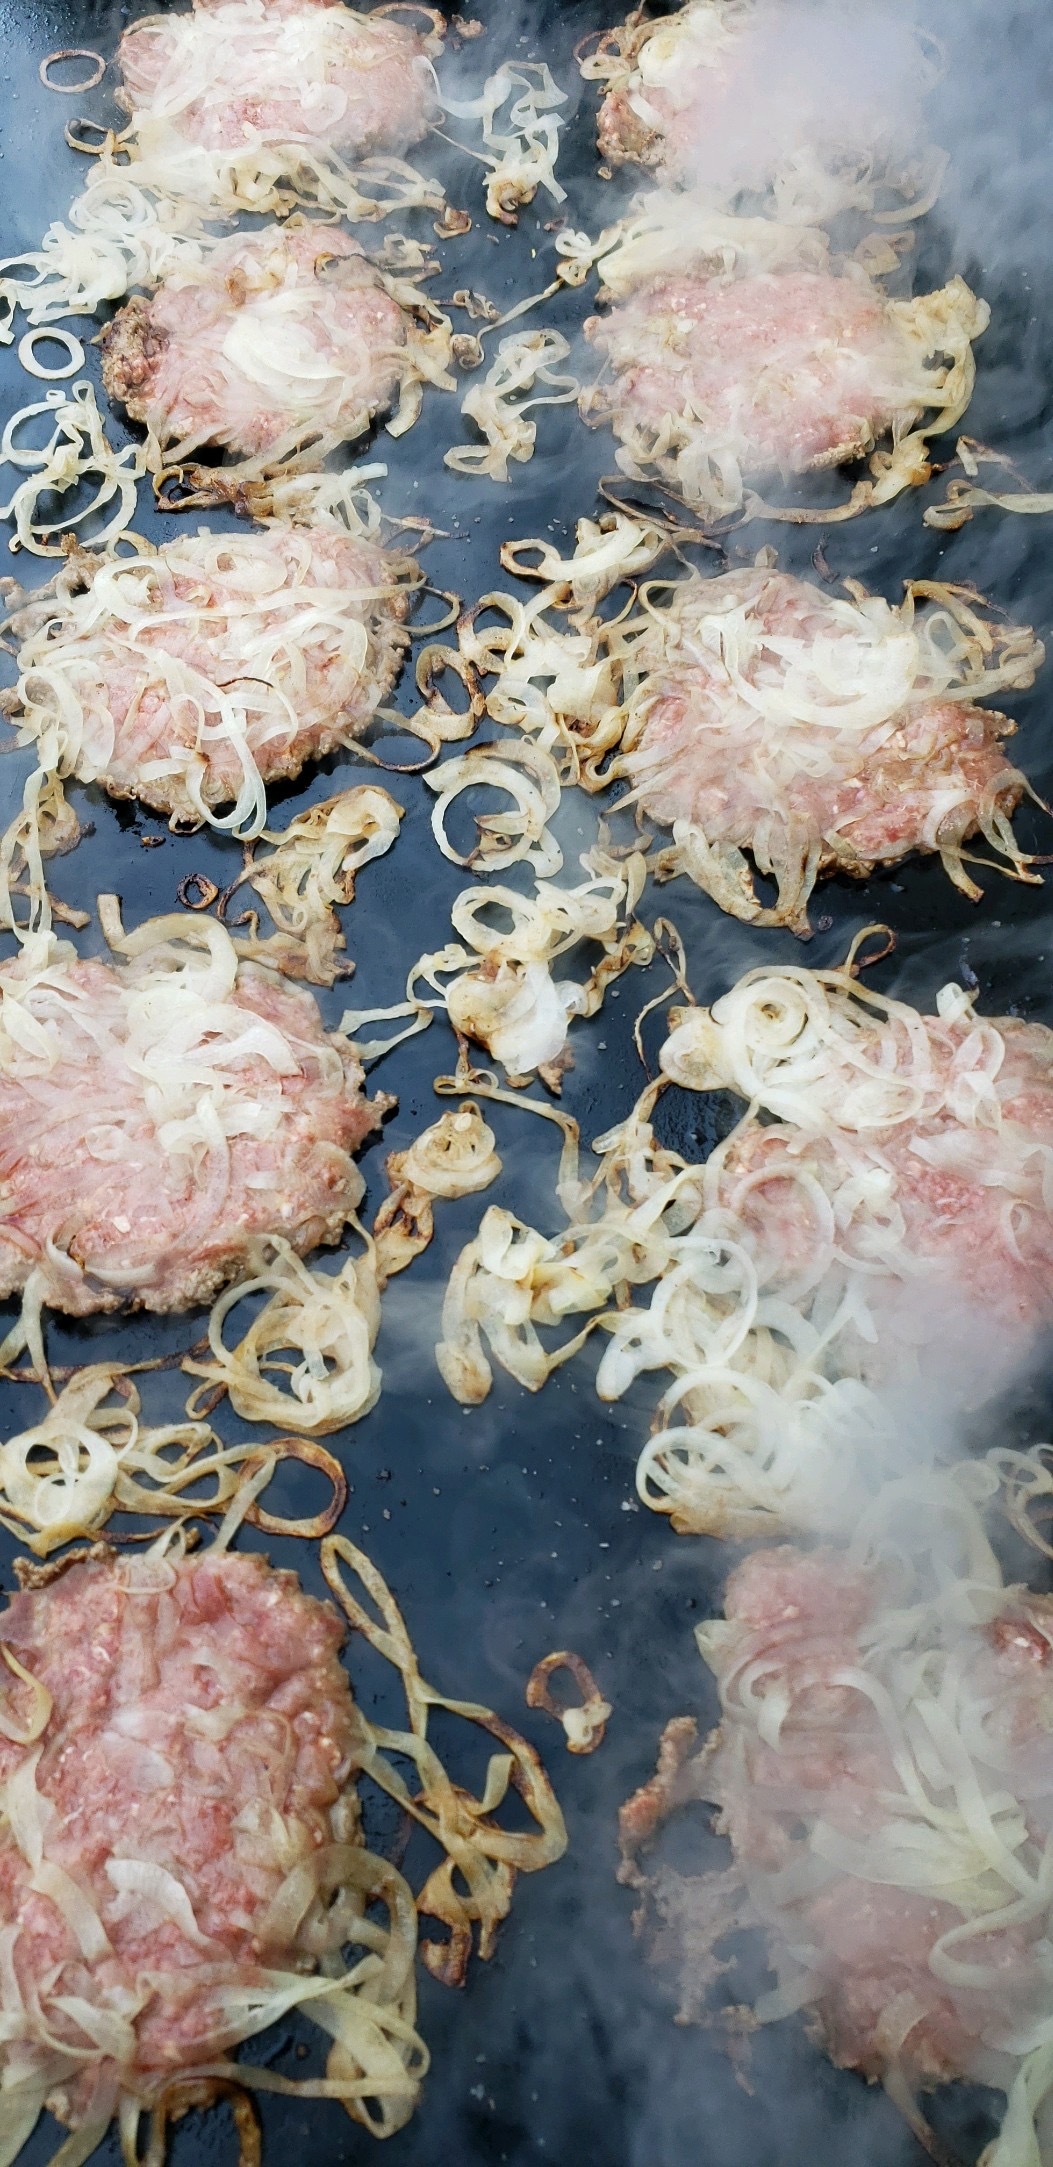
(158, 1116)
(215, 666)
(813, 731)
(197, 1750)
(240, 72)
(278, 337)
(968, 1216)
(777, 371)
(904, 1152)
(730, 99)
(871, 1763)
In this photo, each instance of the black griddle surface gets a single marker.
(513, 1529)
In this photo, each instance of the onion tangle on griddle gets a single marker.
(470, 1891)
(307, 869)
(455, 1156)
(330, 1320)
(530, 778)
(121, 234)
(501, 993)
(966, 494)
(498, 407)
(519, 130)
(92, 1455)
(46, 826)
(77, 449)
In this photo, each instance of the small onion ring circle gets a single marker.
(55, 332)
(434, 16)
(585, 1724)
(73, 52)
(310, 1454)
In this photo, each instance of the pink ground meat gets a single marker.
(781, 370)
(201, 1721)
(925, 774)
(225, 611)
(982, 1224)
(804, 1619)
(295, 72)
(92, 1197)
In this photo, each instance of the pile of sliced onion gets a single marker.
(554, 661)
(77, 448)
(339, 498)
(767, 1421)
(963, 496)
(511, 1280)
(46, 826)
(822, 1050)
(146, 207)
(470, 1891)
(329, 1320)
(456, 1156)
(519, 128)
(123, 232)
(499, 410)
(270, 178)
(531, 779)
(306, 870)
(500, 991)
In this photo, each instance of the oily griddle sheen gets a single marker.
(614, 2078)
(163, 1115)
(201, 1723)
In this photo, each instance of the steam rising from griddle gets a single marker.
(835, 81)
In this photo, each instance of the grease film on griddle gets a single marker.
(507, 992)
